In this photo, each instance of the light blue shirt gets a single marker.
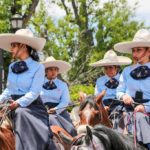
(100, 86)
(128, 85)
(59, 95)
(28, 83)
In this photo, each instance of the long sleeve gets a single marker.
(6, 94)
(64, 100)
(121, 89)
(147, 108)
(35, 89)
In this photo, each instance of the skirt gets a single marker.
(28, 123)
(63, 119)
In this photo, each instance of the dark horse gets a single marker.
(101, 138)
(92, 112)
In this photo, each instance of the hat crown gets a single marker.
(110, 55)
(51, 58)
(142, 35)
(24, 32)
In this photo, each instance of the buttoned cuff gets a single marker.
(147, 109)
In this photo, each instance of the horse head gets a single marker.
(84, 141)
(101, 138)
(92, 112)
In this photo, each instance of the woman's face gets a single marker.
(110, 71)
(52, 72)
(140, 54)
(18, 50)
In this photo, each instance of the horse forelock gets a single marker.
(91, 101)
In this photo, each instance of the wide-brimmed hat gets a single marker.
(24, 36)
(52, 62)
(111, 59)
(141, 39)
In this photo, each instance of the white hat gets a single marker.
(141, 39)
(24, 36)
(52, 62)
(111, 59)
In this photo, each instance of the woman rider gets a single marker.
(24, 83)
(134, 83)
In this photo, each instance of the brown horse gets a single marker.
(7, 138)
(92, 111)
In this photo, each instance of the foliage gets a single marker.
(75, 89)
(82, 36)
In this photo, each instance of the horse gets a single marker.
(92, 112)
(101, 138)
(7, 137)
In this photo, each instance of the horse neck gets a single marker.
(7, 140)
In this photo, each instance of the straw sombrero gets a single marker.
(24, 36)
(111, 59)
(52, 62)
(141, 39)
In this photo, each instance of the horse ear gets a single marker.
(100, 96)
(66, 139)
(82, 96)
(89, 134)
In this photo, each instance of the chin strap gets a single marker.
(142, 57)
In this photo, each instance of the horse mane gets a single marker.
(6, 139)
(89, 100)
(113, 140)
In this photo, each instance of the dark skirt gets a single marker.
(143, 128)
(63, 119)
(28, 123)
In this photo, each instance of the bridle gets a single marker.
(79, 137)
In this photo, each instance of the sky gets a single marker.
(142, 13)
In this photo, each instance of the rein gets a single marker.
(80, 136)
(134, 103)
(71, 105)
(5, 113)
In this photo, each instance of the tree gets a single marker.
(83, 35)
(88, 31)
(8, 8)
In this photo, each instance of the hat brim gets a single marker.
(126, 47)
(62, 65)
(121, 60)
(7, 39)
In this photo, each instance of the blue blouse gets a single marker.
(100, 86)
(128, 85)
(59, 95)
(28, 83)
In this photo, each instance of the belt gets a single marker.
(111, 102)
(50, 105)
(37, 101)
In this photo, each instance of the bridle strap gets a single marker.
(77, 137)
(80, 136)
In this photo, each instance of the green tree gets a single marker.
(8, 8)
(88, 31)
